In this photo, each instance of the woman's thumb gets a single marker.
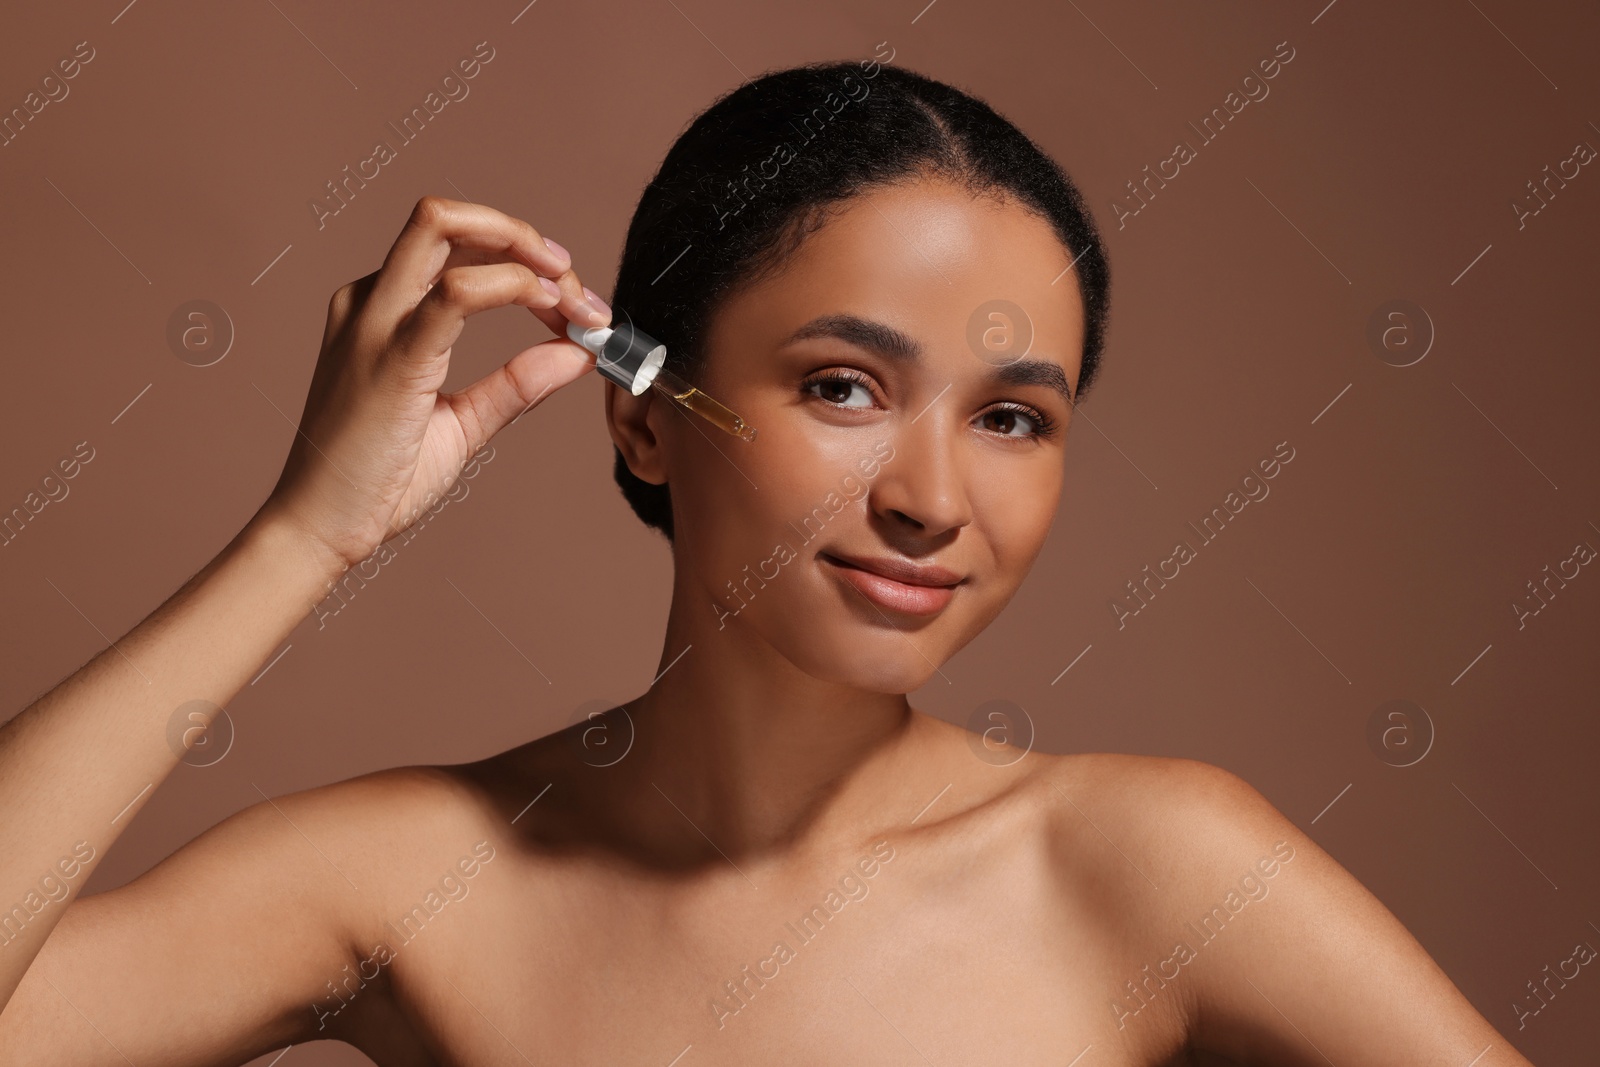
(527, 379)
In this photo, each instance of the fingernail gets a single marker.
(558, 250)
(599, 307)
(550, 287)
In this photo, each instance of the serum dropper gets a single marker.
(634, 360)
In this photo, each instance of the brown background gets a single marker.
(1383, 163)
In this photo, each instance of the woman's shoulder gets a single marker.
(1166, 854)
(1168, 809)
(381, 827)
(1159, 822)
(433, 793)
(1129, 786)
(1141, 781)
(1147, 843)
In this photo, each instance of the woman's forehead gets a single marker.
(930, 259)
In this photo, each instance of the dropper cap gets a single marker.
(623, 353)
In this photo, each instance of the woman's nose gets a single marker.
(924, 485)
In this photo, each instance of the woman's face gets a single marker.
(905, 373)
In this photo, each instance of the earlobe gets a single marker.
(627, 417)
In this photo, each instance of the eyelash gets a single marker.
(1046, 426)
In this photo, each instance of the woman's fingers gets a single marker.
(569, 308)
(436, 226)
(573, 307)
(500, 397)
(423, 338)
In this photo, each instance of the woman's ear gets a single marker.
(628, 417)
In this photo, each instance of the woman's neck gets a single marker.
(736, 748)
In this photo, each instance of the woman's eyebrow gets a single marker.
(1036, 372)
(901, 347)
(880, 337)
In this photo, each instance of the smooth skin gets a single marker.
(618, 892)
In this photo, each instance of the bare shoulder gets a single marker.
(1147, 794)
(397, 826)
(1212, 885)
(1130, 778)
(396, 847)
(1172, 808)
(1173, 835)
(1169, 823)
(370, 844)
(385, 821)
(293, 884)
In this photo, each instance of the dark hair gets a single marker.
(717, 217)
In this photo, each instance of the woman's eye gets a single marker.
(843, 392)
(848, 391)
(1006, 420)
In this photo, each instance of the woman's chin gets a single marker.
(830, 632)
(880, 662)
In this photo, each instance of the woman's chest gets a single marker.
(919, 961)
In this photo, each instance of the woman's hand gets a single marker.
(378, 443)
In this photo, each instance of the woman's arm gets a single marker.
(1291, 959)
(378, 443)
(78, 764)
(251, 937)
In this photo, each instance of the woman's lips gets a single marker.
(890, 594)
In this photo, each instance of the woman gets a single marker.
(773, 858)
